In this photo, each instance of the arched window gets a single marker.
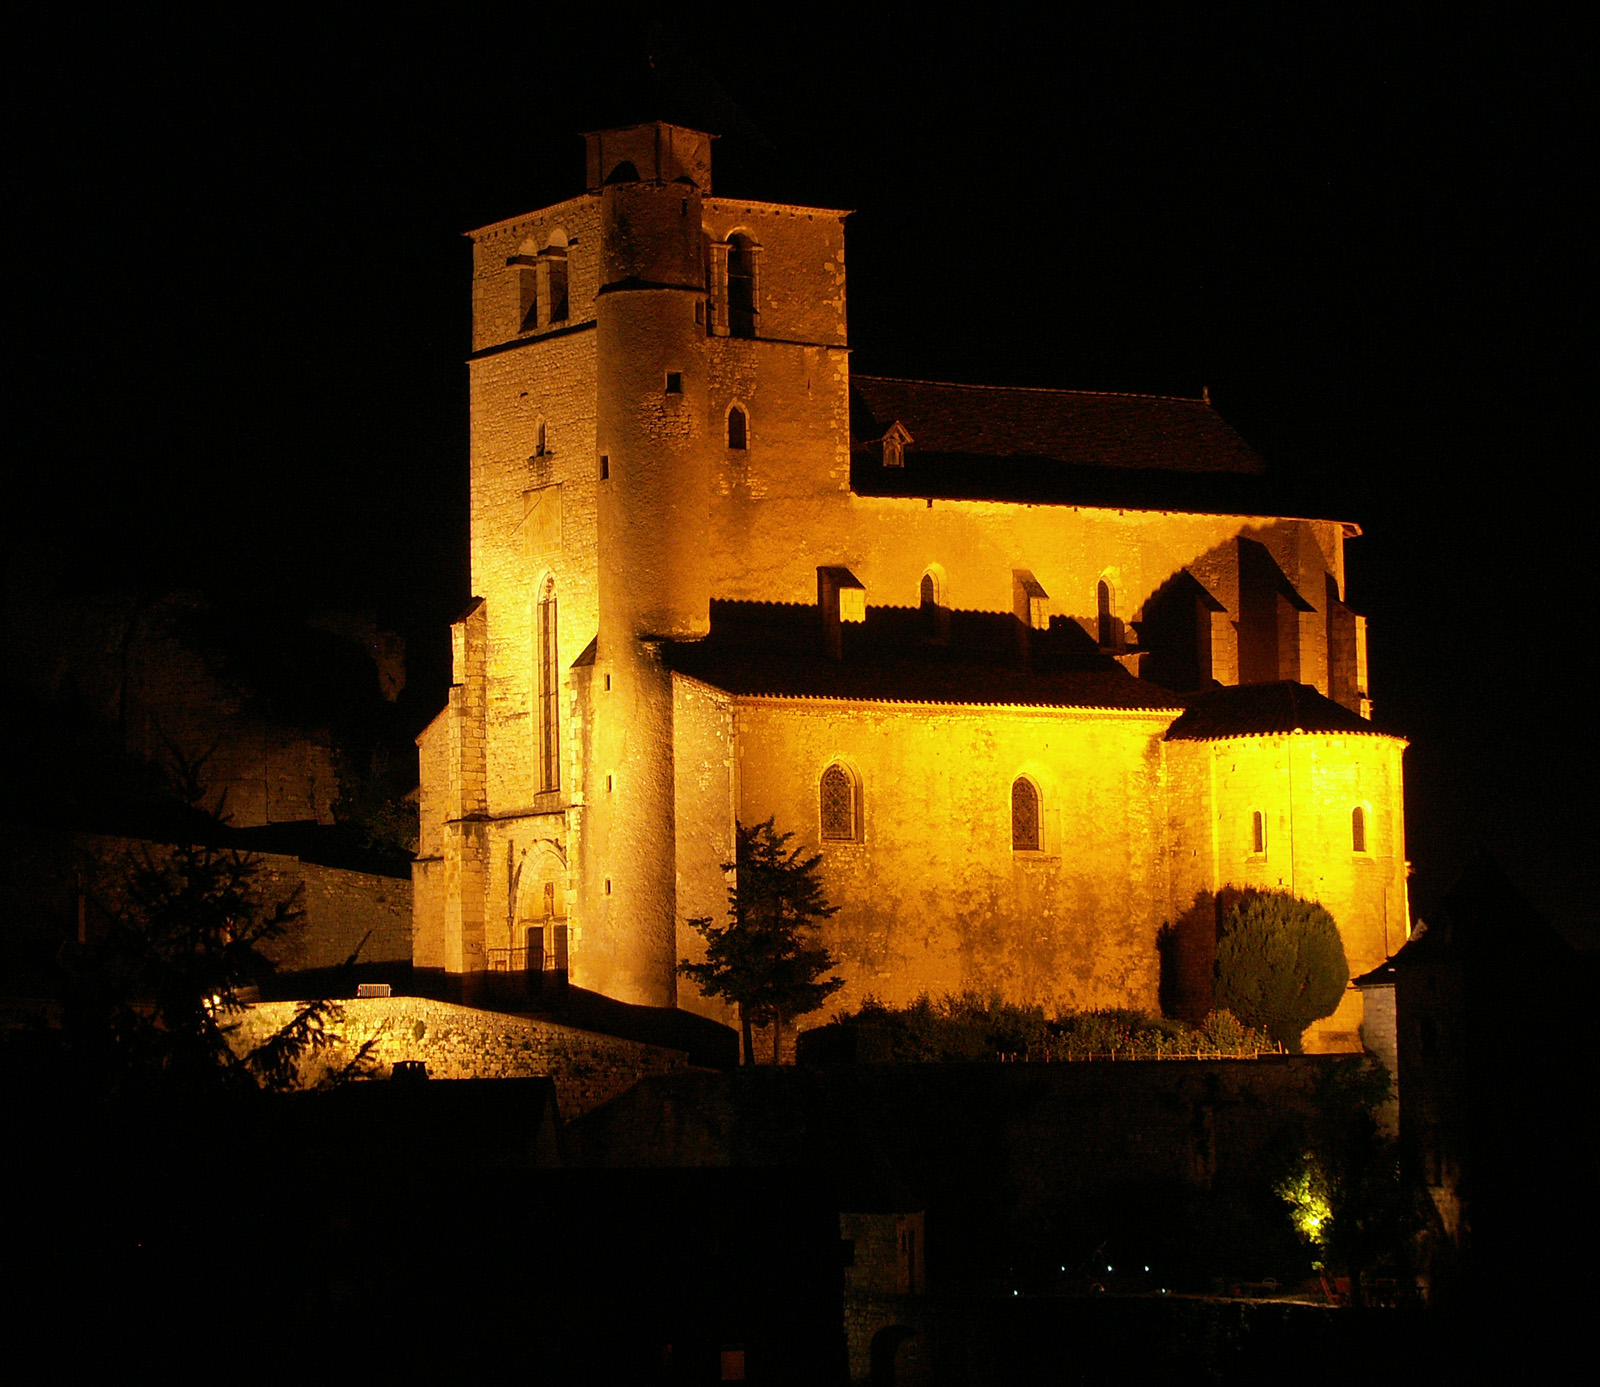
(542, 276)
(840, 802)
(741, 286)
(1024, 816)
(549, 691)
(1358, 829)
(556, 257)
(928, 607)
(736, 427)
(1258, 833)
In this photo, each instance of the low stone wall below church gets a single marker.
(458, 1042)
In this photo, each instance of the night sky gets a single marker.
(243, 297)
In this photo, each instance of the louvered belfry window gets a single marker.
(549, 687)
(838, 805)
(1024, 816)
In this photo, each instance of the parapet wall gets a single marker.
(458, 1042)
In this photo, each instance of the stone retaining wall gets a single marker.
(457, 1042)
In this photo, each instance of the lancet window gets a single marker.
(1025, 835)
(741, 286)
(549, 691)
(840, 806)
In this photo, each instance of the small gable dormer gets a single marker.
(895, 443)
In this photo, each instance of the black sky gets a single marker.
(243, 298)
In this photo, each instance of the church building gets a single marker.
(1032, 670)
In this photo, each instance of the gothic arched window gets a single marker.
(1107, 620)
(741, 286)
(1025, 816)
(549, 690)
(555, 258)
(928, 608)
(840, 804)
(737, 427)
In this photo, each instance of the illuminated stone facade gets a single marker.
(946, 635)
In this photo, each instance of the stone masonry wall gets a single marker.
(458, 1042)
(341, 907)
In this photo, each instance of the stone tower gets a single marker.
(615, 359)
(654, 542)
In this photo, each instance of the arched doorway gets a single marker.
(542, 932)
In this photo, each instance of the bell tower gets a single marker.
(653, 523)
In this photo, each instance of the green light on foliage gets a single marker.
(1310, 1208)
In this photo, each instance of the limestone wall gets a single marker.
(933, 897)
(1305, 787)
(341, 907)
(533, 523)
(458, 1042)
(706, 788)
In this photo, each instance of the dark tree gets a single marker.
(153, 990)
(1344, 1186)
(1280, 964)
(766, 959)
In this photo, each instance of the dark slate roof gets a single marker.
(979, 442)
(1381, 976)
(757, 649)
(1265, 710)
(905, 681)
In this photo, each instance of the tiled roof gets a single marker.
(1062, 446)
(1265, 710)
(755, 650)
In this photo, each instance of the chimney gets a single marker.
(1028, 605)
(842, 597)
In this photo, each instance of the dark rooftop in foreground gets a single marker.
(1067, 447)
(1265, 710)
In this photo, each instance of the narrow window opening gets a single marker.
(674, 382)
(741, 287)
(928, 608)
(1024, 816)
(605, 467)
(1358, 829)
(557, 260)
(549, 701)
(736, 428)
(1258, 832)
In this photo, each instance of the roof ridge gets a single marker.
(1035, 389)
